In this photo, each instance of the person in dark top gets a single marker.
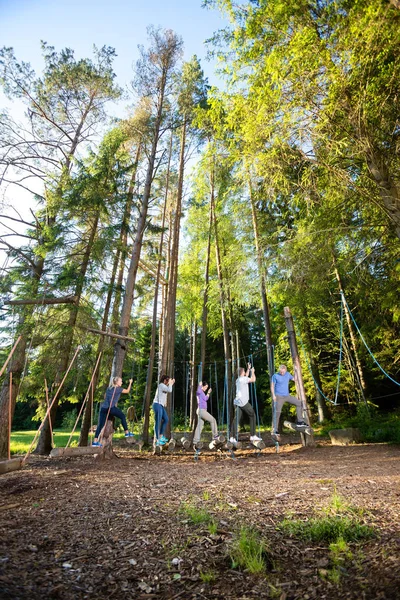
(109, 408)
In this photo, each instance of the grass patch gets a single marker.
(339, 521)
(249, 552)
(208, 576)
(196, 515)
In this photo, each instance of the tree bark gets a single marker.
(149, 378)
(120, 346)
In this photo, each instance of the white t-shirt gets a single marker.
(161, 394)
(242, 390)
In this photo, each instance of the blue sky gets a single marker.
(79, 24)
(122, 24)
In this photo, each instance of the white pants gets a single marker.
(203, 415)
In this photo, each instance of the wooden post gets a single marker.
(298, 375)
(9, 418)
(9, 356)
(48, 404)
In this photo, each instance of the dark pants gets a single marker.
(248, 410)
(161, 419)
(114, 412)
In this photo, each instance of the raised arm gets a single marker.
(128, 389)
(253, 375)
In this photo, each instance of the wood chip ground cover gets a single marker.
(78, 528)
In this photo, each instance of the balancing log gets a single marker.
(185, 443)
(171, 445)
(12, 464)
(80, 451)
(299, 428)
(260, 445)
(217, 443)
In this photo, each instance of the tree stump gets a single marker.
(106, 435)
(344, 437)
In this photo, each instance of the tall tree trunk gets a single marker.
(323, 413)
(44, 443)
(120, 345)
(388, 190)
(168, 349)
(205, 296)
(149, 378)
(222, 296)
(193, 380)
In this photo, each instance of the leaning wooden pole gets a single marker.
(307, 440)
(3, 368)
(9, 418)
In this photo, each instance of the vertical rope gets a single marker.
(217, 396)
(227, 399)
(340, 349)
(9, 416)
(255, 399)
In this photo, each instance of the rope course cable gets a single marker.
(344, 301)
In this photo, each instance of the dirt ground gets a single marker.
(79, 528)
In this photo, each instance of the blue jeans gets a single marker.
(161, 419)
(114, 412)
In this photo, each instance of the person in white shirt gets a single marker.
(243, 406)
(160, 412)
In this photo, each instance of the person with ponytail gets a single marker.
(109, 408)
(160, 412)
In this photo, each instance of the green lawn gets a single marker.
(21, 440)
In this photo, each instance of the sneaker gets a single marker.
(97, 444)
(216, 437)
(160, 442)
(129, 434)
(255, 438)
(164, 439)
(232, 440)
(301, 424)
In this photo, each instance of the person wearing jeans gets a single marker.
(242, 403)
(160, 412)
(109, 408)
(280, 395)
(202, 413)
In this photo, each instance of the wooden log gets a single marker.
(171, 446)
(298, 428)
(185, 443)
(13, 464)
(63, 300)
(237, 445)
(198, 445)
(260, 445)
(306, 440)
(79, 451)
(217, 443)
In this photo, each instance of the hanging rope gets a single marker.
(308, 363)
(85, 399)
(365, 343)
(47, 415)
(227, 398)
(255, 398)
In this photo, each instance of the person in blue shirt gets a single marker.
(280, 395)
(109, 407)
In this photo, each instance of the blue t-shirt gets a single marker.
(112, 396)
(282, 383)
